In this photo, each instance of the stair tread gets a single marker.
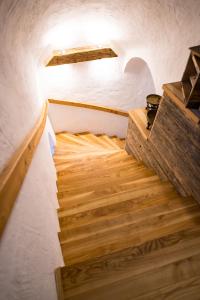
(112, 216)
(123, 195)
(103, 178)
(134, 265)
(125, 233)
(101, 191)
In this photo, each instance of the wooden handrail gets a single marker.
(15, 171)
(90, 106)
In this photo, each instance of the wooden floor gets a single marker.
(125, 234)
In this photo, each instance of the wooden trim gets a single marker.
(13, 174)
(59, 286)
(90, 106)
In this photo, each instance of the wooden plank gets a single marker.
(76, 55)
(90, 106)
(13, 174)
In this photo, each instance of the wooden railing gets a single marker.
(90, 106)
(13, 174)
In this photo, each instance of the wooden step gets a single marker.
(119, 142)
(60, 166)
(90, 163)
(102, 190)
(136, 194)
(136, 271)
(100, 178)
(125, 234)
(101, 169)
(76, 197)
(67, 137)
(109, 141)
(112, 216)
(134, 234)
(98, 141)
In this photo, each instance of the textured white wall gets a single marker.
(29, 248)
(157, 31)
(85, 120)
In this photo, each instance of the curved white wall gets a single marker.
(87, 120)
(29, 247)
(158, 32)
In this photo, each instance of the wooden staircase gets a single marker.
(125, 234)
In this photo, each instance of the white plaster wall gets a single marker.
(29, 248)
(84, 120)
(157, 31)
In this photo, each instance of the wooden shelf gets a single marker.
(75, 55)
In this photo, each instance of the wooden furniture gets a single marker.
(191, 79)
(172, 147)
(13, 174)
(125, 234)
(75, 55)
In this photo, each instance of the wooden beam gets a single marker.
(90, 106)
(13, 174)
(76, 55)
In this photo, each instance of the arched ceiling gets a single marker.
(158, 31)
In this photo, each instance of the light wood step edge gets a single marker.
(119, 142)
(99, 141)
(105, 160)
(118, 169)
(84, 171)
(63, 197)
(94, 183)
(102, 202)
(108, 140)
(116, 220)
(65, 137)
(90, 138)
(84, 142)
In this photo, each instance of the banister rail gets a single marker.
(90, 106)
(12, 176)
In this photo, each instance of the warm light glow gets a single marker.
(82, 32)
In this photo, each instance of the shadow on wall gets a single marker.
(140, 72)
